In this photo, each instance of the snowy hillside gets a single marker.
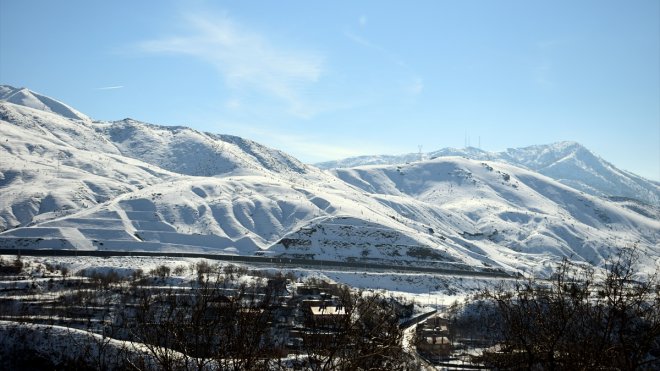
(53, 166)
(505, 213)
(126, 185)
(567, 162)
(90, 185)
(71, 163)
(28, 98)
(190, 152)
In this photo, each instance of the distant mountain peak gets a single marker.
(568, 162)
(28, 98)
(564, 144)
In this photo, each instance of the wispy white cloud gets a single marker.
(307, 148)
(233, 104)
(542, 71)
(110, 87)
(542, 74)
(245, 58)
(362, 21)
(310, 149)
(370, 45)
(415, 86)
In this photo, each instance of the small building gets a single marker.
(432, 337)
(434, 346)
(328, 317)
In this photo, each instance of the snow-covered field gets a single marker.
(426, 289)
(57, 309)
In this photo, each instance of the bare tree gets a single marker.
(577, 320)
(204, 326)
(363, 333)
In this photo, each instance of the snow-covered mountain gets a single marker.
(505, 212)
(567, 162)
(28, 98)
(125, 184)
(190, 152)
(77, 183)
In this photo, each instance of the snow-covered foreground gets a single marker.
(70, 312)
(60, 310)
(428, 291)
(61, 345)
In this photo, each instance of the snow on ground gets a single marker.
(124, 265)
(63, 345)
(507, 214)
(28, 98)
(424, 289)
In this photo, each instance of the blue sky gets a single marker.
(330, 80)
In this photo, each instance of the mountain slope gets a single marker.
(127, 185)
(42, 176)
(28, 98)
(505, 212)
(75, 184)
(71, 163)
(576, 166)
(190, 152)
(567, 162)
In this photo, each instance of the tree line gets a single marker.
(214, 323)
(580, 319)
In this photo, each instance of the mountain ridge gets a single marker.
(85, 184)
(567, 162)
(28, 98)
